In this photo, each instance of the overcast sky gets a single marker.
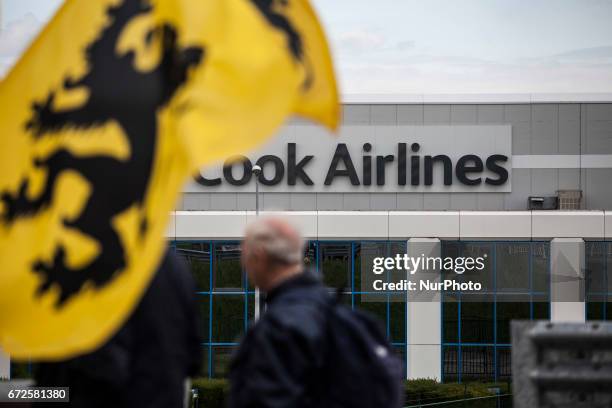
(432, 46)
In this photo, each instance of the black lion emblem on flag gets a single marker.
(120, 93)
(117, 92)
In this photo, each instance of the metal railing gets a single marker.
(493, 401)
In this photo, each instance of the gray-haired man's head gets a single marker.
(272, 250)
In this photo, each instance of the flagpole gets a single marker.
(256, 173)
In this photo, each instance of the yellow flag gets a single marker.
(112, 107)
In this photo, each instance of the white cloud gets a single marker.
(439, 74)
(359, 41)
(378, 52)
(405, 45)
(445, 46)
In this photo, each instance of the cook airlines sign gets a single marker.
(372, 159)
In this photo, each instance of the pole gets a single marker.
(256, 197)
(256, 172)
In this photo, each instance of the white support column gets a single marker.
(5, 365)
(567, 288)
(424, 319)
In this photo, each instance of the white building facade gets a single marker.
(429, 176)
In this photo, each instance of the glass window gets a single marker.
(504, 363)
(512, 266)
(450, 363)
(365, 252)
(357, 284)
(540, 307)
(477, 363)
(251, 307)
(450, 319)
(595, 310)
(197, 257)
(595, 272)
(540, 267)
(228, 318)
(335, 264)
(226, 302)
(397, 318)
(457, 249)
(608, 310)
(508, 311)
(451, 248)
(393, 249)
(310, 255)
(476, 322)
(483, 329)
(609, 266)
(204, 368)
(597, 281)
(484, 276)
(376, 309)
(346, 299)
(204, 314)
(221, 359)
(227, 271)
(470, 323)
(400, 351)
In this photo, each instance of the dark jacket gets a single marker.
(146, 362)
(279, 362)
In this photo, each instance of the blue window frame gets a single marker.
(476, 331)
(475, 335)
(598, 282)
(227, 300)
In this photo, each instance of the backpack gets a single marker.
(361, 368)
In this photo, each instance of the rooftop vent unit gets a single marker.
(543, 203)
(569, 199)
